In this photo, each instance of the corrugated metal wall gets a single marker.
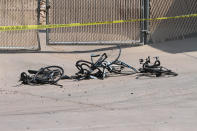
(18, 12)
(171, 29)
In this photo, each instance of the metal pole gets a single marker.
(38, 12)
(47, 21)
(142, 22)
(38, 22)
(145, 14)
(146, 23)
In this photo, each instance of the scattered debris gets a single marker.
(47, 75)
(102, 67)
(154, 69)
(95, 70)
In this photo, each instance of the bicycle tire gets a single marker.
(80, 63)
(113, 54)
(113, 60)
(165, 71)
(42, 77)
(90, 71)
(158, 72)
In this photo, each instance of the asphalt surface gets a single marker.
(121, 103)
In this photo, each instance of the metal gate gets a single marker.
(85, 11)
(19, 12)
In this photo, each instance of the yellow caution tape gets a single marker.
(31, 27)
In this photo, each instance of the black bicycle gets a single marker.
(47, 75)
(104, 66)
(155, 69)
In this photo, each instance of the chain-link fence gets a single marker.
(170, 29)
(84, 11)
(24, 12)
(19, 12)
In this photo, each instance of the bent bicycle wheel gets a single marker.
(87, 69)
(122, 68)
(83, 66)
(49, 75)
(113, 54)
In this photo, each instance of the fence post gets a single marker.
(145, 14)
(38, 12)
(47, 21)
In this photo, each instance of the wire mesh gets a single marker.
(83, 11)
(18, 12)
(172, 29)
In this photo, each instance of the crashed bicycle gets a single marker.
(154, 69)
(102, 67)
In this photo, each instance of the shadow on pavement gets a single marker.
(174, 29)
(178, 46)
(65, 52)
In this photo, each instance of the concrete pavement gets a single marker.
(114, 104)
